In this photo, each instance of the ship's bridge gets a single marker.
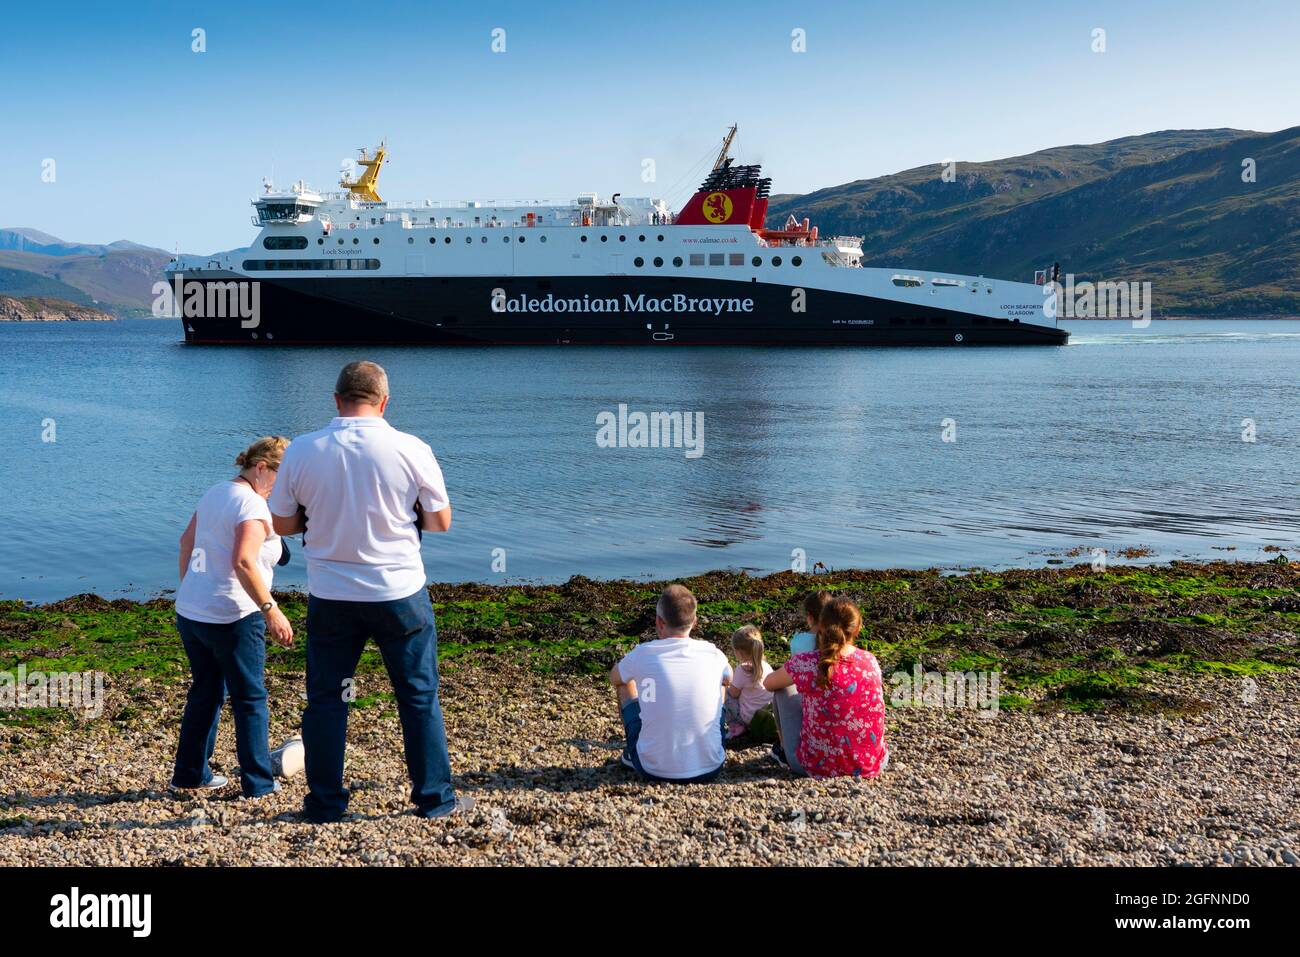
(291, 207)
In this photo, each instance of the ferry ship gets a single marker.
(349, 268)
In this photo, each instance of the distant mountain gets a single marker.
(26, 239)
(118, 277)
(1168, 207)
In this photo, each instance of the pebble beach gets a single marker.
(1204, 771)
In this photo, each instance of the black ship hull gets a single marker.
(606, 310)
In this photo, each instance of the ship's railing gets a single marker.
(832, 242)
(415, 221)
(464, 204)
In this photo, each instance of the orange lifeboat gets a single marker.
(794, 233)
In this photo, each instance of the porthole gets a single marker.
(469, 239)
(320, 242)
(355, 241)
(410, 239)
(542, 237)
(376, 240)
(604, 239)
(433, 239)
(641, 238)
(482, 239)
(584, 239)
(446, 239)
(796, 261)
(505, 239)
(340, 240)
(660, 237)
(622, 238)
(523, 239)
(776, 260)
(659, 261)
(757, 262)
(677, 260)
(638, 262)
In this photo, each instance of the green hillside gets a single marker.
(1170, 208)
(21, 284)
(121, 279)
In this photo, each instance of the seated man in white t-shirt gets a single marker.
(670, 697)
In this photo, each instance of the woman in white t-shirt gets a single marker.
(224, 610)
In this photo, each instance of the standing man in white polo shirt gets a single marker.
(357, 488)
(670, 697)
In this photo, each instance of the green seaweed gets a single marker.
(1066, 638)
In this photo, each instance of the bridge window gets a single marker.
(282, 212)
(285, 242)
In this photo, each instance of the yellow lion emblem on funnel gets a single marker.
(717, 207)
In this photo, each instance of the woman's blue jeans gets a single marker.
(225, 658)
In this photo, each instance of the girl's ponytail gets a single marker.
(838, 627)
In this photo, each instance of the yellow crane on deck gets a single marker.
(363, 187)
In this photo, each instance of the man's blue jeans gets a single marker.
(407, 637)
(225, 657)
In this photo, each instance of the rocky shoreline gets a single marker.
(48, 310)
(1147, 716)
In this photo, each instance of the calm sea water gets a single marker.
(1125, 438)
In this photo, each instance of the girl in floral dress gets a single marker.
(843, 728)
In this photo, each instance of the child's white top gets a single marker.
(753, 696)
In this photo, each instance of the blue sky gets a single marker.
(164, 146)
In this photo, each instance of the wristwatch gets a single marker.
(267, 606)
